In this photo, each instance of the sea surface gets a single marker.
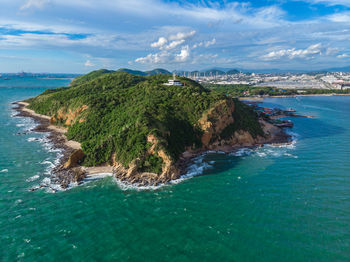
(289, 203)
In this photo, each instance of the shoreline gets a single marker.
(59, 140)
(80, 174)
(257, 98)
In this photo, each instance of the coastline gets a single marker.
(59, 140)
(261, 98)
(65, 176)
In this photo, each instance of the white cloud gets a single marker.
(165, 56)
(184, 54)
(343, 56)
(88, 63)
(203, 43)
(197, 45)
(209, 43)
(174, 44)
(158, 58)
(169, 47)
(293, 53)
(34, 4)
(331, 51)
(182, 36)
(172, 41)
(160, 43)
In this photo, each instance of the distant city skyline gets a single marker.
(62, 36)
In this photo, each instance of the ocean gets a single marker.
(286, 203)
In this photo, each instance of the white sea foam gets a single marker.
(49, 163)
(242, 152)
(33, 178)
(95, 177)
(46, 181)
(18, 201)
(128, 186)
(196, 168)
(4, 170)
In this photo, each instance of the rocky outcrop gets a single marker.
(133, 175)
(74, 159)
(215, 121)
(68, 118)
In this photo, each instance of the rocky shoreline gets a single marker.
(64, 174)
(60, 176)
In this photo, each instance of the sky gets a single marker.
(78, 36)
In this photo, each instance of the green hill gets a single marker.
(140, 125)
(90, 76)
(158, 71)
(133, 72)
(232, 72)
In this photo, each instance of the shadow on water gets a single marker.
(216, 163)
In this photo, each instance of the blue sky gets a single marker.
(77, 36)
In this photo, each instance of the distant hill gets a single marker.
(345, 69)
(92, 75)
(232, 72)
(158, 71)
(133, 72)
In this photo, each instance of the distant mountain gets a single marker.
(133, 72)
(92, 75)
(158, 71)
(345, 69)
(232, 72)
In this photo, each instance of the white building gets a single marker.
(173, 82)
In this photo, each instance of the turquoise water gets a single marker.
(25, 82)
(273, 204)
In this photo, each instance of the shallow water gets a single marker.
(287, 203)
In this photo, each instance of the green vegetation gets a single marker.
(124, 109)
(94, 74)
(152, 164)
(245, 119)
(232, 72)
(249, 90)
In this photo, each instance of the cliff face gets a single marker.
(135, 176)
(215, 121)
(68, 117)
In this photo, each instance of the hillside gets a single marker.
(142, 127)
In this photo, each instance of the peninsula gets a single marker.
(143, 130)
